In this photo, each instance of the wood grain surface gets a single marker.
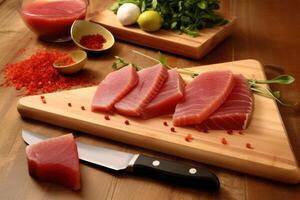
(170, 41)
(265, 30)
(265, 132)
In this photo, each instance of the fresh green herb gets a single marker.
(184, 16)
(120, 63)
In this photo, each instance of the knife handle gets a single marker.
(179, 173)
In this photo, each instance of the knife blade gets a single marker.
(166, 170)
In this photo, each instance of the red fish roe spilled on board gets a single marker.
(224, 141)
(127, 122)
(166, 124)
(249, 146)
(82, 108)
(36, 74)
(69, 104)
(93, 41)
(173, 129)
(189, 138)
(229, 132)
(106, 117)
(240, 132)
(64, 60)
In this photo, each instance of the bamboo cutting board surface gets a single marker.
(271, 155)
(170, 41)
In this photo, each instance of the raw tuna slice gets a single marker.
(235, 112)
(202, 97)
(150, 82)
(113, 88)
(169, 95)
(55, 160)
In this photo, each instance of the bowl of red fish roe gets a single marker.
(91, 36)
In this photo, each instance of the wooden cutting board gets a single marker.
(270, 155)
(170, 41)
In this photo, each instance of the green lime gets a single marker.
(150, 21)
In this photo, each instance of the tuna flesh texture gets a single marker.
(150, 81)
(203, 96)
(169, 95)
(113, 88)
(55, 160)
(235, 112)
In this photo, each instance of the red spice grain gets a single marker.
(188, 137)
(127, 122)
(224, 141)
(229, 132)
(166, 124)
(93, 41)
(64, 60)
(249, 146)
(106, 117)
(173, 129)
(69, 104)
(37, 75)
(82, 108)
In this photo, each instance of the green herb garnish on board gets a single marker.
(184, 16)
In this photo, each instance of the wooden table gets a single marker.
(266, 30)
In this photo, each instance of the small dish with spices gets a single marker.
(91, 36)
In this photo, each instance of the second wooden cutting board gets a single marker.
(270, 155)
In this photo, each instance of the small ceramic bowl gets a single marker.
(79, 58)
(82, 28)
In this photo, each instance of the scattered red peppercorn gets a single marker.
(37, 75)
(69, 104)
(173, 129)
(82, 108)
(106, 117)
(249, 146)
(189, 138)
(224, 141)
(166, 124)
(229, 132)
(127, 122)
(93, 41)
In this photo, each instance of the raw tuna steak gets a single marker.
(55, 160)
(202, 97)
(113, 88)
(235, 112)
(169, 95)
(150, 82)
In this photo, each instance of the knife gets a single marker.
(179, 173)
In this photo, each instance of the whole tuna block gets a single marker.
(203, 96)
(235, 113)
(113, 88)
(150, 81)
(169, 95)
(55, 160)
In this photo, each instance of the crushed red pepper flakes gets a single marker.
(93, 41)
(173, 129)
(166, 124)
(106, 117)
(69, 104)
(127, 122)
(82, 108)
(224, 141)
(249, 146)
(37, 75)
(229, 132)
(188, 137)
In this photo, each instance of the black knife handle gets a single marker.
(178, 173)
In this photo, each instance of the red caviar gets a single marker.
(249, 146)
(224, 141)
(82, 108)
(166, 124)
(43, 99)
(173, 129)
(64, 60)
(189, 138)
(93, 41)
(240, 132)
(37, 75)
(229, 132)
(127, 122)
(106, 117)
(69, 104)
